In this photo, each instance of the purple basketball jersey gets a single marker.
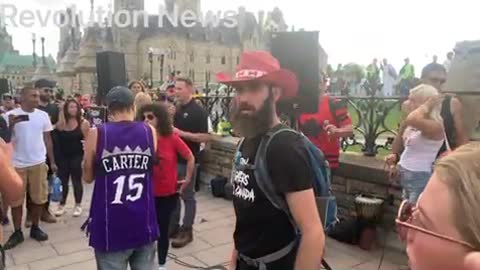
(122, 214)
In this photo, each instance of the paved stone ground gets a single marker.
(67, 248)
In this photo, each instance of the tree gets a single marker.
(353, 73)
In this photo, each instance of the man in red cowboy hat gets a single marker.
(264, 237)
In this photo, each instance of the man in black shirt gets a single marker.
(191, 123)
(265, 238)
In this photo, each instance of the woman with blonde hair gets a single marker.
(418, 142)
(442, 230)
(136, 87)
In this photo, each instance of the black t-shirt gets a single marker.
(260, 227)
(191, 118)
(5, 132)
(52, 110)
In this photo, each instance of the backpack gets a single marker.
(326, 202)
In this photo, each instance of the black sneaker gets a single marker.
(37, 234)
(15, 239)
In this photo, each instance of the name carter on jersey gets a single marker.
(125, 162)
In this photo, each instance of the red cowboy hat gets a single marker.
(262, 66)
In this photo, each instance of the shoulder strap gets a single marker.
(334, 106)
(448, 122)
(262, 176)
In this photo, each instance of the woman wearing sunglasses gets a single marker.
(442, 231)
(165, 171)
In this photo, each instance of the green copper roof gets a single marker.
(9, 60)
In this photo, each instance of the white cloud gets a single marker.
(350, 30)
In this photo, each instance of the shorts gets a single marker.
(413, 183)
(35, 178)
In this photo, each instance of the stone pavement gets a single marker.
(67, 248)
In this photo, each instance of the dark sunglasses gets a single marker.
(405, 218)
(437, 80)
(165, 98)
(149, 117)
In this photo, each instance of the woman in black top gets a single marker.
(72, 130)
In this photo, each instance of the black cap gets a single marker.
(120, 95)
(42, 83)
(5, 96)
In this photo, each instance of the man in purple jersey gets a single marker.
(119, 158)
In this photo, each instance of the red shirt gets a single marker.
(308, 122)
(165, 171)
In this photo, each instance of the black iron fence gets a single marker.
(216, 100)
(375, 118)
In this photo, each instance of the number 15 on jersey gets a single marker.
(134, 190)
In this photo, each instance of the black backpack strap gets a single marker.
(264, 181)
(448, 124)
(335, 105)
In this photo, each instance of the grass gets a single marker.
(392, 122)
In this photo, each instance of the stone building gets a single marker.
(20, 69)
(198, 52)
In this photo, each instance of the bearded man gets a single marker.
(265, 237)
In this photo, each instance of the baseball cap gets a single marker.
(44, 83)
(120, 95)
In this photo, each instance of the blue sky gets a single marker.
(350, 30)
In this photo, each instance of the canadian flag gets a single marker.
(250, 73)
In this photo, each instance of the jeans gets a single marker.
(188, 197)
(413, 183)
(71, 167)
(165, 207)
(139, 259)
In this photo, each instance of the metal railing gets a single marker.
(375, 119)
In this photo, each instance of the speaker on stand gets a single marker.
(4, 86)
(299, 53)
(111, 72)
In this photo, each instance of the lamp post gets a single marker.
(162, 62)
(34, 40)
(150, 59)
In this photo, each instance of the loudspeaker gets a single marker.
(111, 72)
(299, 53)
(4, 86)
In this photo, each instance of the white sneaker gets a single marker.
(162, 267)
(60, 211)
(77, 211)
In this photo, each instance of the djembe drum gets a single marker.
(369, 213)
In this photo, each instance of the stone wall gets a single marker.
(357, 175)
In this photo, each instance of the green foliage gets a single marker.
(353, 73)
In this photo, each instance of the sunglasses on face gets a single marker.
(149, 117)
(406, 216)
(437, 80)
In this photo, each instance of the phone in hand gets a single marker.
(22, 118)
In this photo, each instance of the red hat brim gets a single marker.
(282, 78)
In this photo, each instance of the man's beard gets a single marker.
(45, 99)
(250, 126)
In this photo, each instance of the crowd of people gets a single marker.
(385, 75)
(143, 165)
(47, 137)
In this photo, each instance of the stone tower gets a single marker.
(193, 5)
(126, 39)
(129, 5)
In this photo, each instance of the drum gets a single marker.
(369, 208)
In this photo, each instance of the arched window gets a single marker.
(208, 58)
(192, 57)
(238, 60)
(224, 60)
